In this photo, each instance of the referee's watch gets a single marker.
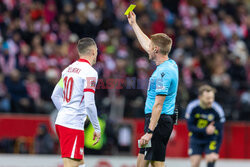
(150, 131)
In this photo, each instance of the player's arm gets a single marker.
(57, 95)
(142, 38)
(89, 101)
(191, 122)
(92, 114)
(192, 126)
(219, 125)
(219, 134)
(91, 110)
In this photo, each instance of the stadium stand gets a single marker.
(38, 40)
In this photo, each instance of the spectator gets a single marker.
(245, 104)
(237, 73)
(210, 44)
(34, 91)
(7, 59)
(22, 58)
(18, 94)
(4, 97)
(44, 143)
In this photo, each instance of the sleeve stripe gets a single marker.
(89, 90)
(82, 99)
(190, 107)
(219, 110)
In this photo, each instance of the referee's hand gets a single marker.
(145, 139)
(131, 18)
(96, 136)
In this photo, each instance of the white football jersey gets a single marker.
(79, 77)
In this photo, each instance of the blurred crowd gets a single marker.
(42, 143)
(211, 44)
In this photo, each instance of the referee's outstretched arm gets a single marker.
(142, 38)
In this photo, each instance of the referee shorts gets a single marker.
(160, 138)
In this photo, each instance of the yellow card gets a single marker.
(130, 8)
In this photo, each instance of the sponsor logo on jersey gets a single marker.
(210, 117)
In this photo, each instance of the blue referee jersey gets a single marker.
(164, 81)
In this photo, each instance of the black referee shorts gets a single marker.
(160, 138)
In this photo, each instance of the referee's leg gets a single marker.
(157, 164)
(141, 162)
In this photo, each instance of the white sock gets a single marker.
(83, 165)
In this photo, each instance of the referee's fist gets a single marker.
(210, 128)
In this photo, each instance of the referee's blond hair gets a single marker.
(163, 41)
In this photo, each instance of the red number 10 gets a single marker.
(68, 86)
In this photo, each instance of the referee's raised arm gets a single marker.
(142, 38)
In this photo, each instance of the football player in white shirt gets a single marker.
(74, 97)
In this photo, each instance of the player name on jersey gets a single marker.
(74, 70)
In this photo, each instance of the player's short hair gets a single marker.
(206, 88)
(163, 41)
(84, 44)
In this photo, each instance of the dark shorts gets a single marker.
(159, 139)
(196, 148)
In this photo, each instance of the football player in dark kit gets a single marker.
(205, 119)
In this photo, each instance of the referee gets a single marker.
(205, 119)
(161, 95)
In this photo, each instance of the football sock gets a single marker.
(210, 164)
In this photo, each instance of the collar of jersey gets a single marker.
(83, 60)
(164, 61)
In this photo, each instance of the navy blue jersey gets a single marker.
(198, 119)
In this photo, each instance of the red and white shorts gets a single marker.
(71, 142)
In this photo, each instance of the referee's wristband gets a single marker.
(150, 131)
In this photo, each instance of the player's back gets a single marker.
(77, 78)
